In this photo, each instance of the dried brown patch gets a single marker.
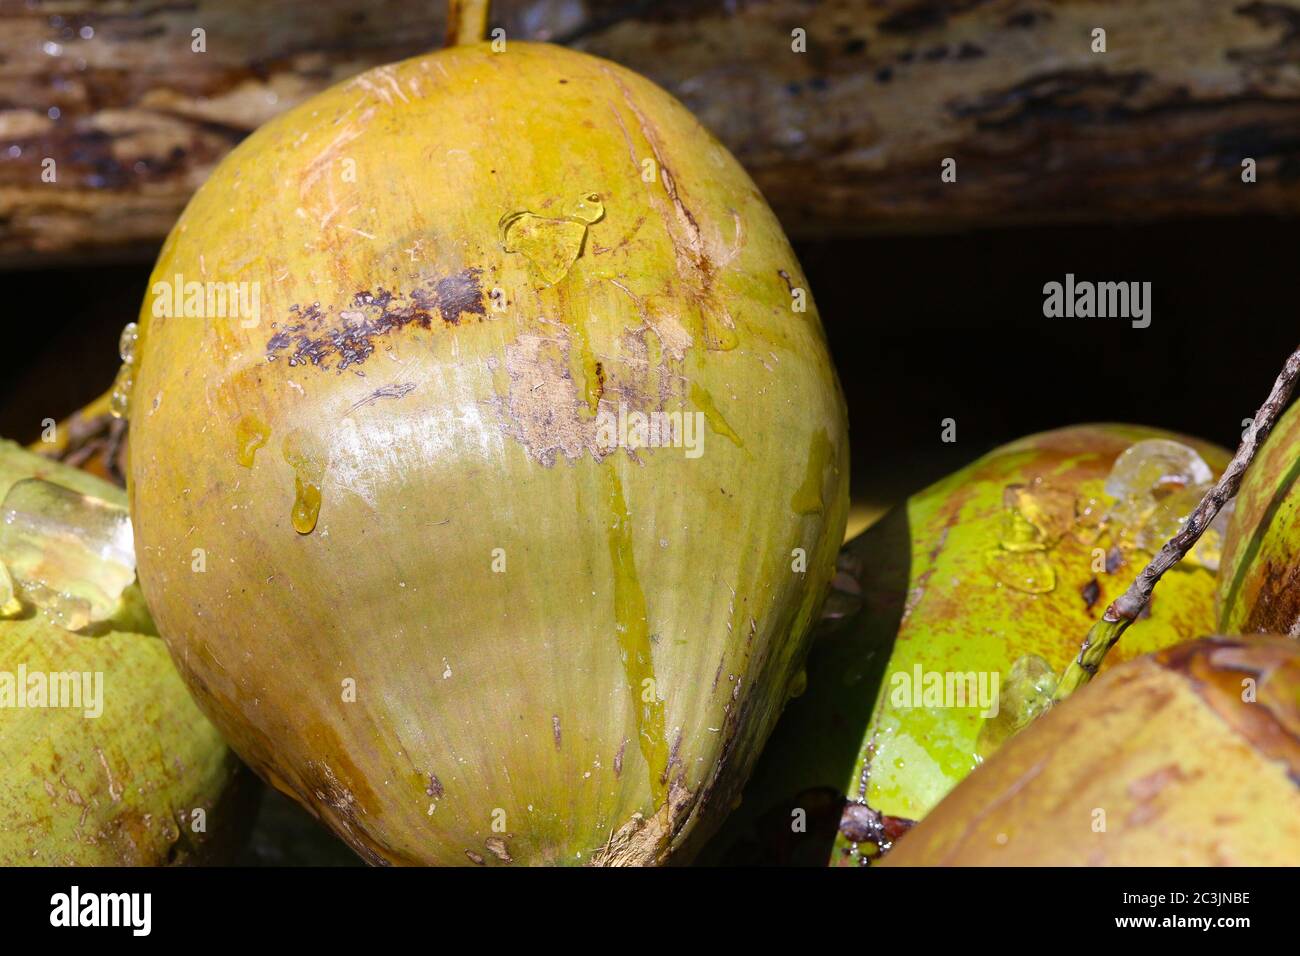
(497, 847)
(340, 338)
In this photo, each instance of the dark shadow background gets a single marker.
(922, 328)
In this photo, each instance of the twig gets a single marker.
(1124, 611)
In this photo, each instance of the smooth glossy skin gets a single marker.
(436, 607)
(119, 789)
(1162, 761)
(930, 576)
(1259, 586)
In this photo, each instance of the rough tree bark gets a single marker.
(846, 138)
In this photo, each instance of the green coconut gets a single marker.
(1259, 587)
(104, 758)
(994, 573)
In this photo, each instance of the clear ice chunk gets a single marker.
(1156, 484)
(1026, 692)
(68, 554)
(1168, 517)
(1156, 465)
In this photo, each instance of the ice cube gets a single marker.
(1149, 474)
(1154, 465)
(1025, 693)
(69, 554)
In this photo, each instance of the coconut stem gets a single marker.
(1125, 610)
(466, 21)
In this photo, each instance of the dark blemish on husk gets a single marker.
(1114, 559)
(435, 788)
(600, 381)
(1091, 593)
(618, 759)
(786, 276)
(474, 857)
(349, 334)
(459, 294)
(555, 729)
(674, 758)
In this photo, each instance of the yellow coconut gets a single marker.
(488, 465)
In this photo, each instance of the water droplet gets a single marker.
(309, 472)
(587, 209)
(1089, 517)
(1019, 533)
(1025, 693)
(250, 434)
(306, 506)
(120, 402)
(127, 341)
(1027, 571)
(67, 553)
(1035, 516)
(10, 606)
(552, 243)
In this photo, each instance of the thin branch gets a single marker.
(1125, 610)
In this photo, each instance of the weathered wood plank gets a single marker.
(844, 139)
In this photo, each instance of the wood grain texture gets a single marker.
(844, 139)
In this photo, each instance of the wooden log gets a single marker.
(846, 138)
